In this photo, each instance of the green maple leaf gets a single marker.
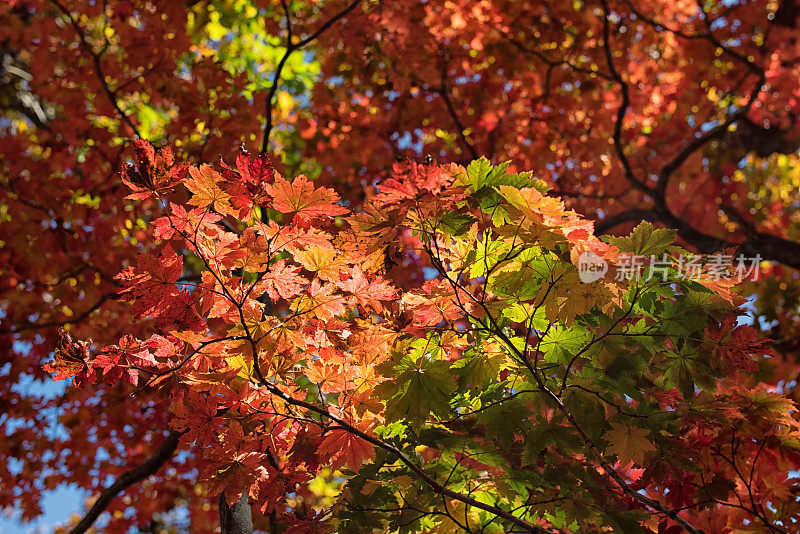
(423, 387)
(645, 240)
(476, 370)
(543, 434)
(625, 521)
(457, 223)
(561, 343)
(481, 173)
(504, 420)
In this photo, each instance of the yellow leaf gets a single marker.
(285, 102)
(628, 443)
(204, 183)
(243, 364)
(320, 260)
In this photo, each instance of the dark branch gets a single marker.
(630, 175)
(290, 49)
(766, 245)
(445, 94)
(236, 519)
(148, 468)
(425, 477)
(521, 356)
(602, 226)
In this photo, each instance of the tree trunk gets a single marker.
(236, 519)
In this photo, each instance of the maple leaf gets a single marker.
(180, 221)
(71, 360)
(205, 184)
(124, 359)
(393, 190)
(241, 200)
(477, 370)
(778, 406)
(322, 260)
(535, 205)
(196, 416)
(321, 301)
(345, 448)
(732, 348)
(629, 443)
(281, 281)
(151, 284)
(235, 467)
(156, 171)
(225, 250)
(257, 170)
(436, 303)
(277, 337)
(372, 343)
(238, 475)
(329, 377)
(412, 180)
(301, 198)
(366, 293)
(645, 240)
(181, 313)
(422, 387)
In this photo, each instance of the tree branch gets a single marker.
(602, 226)
(444, 93)
(425, 477)
(290, 49)
(128, 478)
(236, 519)
(594, 450)
(97, 66)
(767, 246)
(630, 175)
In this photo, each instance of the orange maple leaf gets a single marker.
(204, 183)
(300, 197)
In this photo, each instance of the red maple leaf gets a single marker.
(197, 416)
(345, 448)
(256, 170)
(124, 359)
(154, 172)
(71, 360)
(151, 284)
(734, 348)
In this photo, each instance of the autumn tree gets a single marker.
(338, 342)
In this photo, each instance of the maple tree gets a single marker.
(499, 391)
(349, 345)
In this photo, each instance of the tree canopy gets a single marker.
(345, 265)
